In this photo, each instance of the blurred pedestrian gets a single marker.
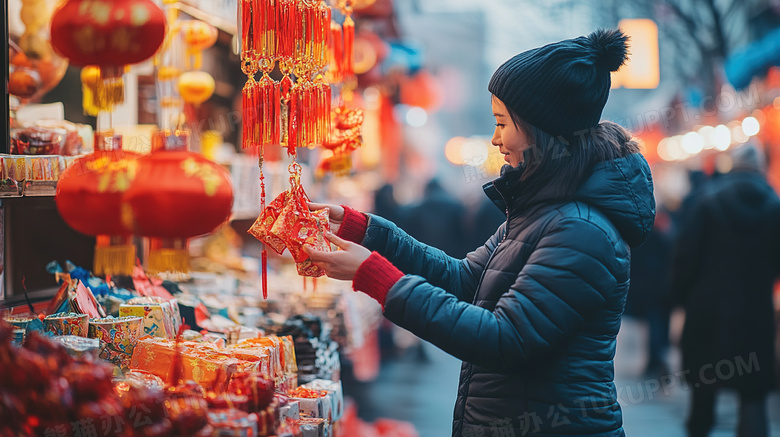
(437, 220)
(727, 258)
(649, 297)
(535, 311)
(385, 205)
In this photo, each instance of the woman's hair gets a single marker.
(555, 167)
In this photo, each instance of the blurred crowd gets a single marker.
(717, 256)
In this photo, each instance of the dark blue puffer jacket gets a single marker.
(533, 313)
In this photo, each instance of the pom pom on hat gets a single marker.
(610, 47)
(562, 87)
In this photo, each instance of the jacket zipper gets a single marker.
(474, 302)
(490, 258)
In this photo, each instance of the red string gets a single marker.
(264, 261)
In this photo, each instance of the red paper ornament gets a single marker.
(90, 200)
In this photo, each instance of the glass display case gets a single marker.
(32, 233)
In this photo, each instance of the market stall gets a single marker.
(139, 296)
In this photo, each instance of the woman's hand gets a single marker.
(335, 214)
(342, 264)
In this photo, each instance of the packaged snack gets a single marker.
(153, 355)
(311, 427)
(80, 347)
(38, 140)
(66, 324)
(157, 314)
(335, 393)
(232, 422)
(43, 171)
(313, 403)
(120, 336)
(12, 175)
(17, 335)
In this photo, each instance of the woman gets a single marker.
(534, 312)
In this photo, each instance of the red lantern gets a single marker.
(89, 199)
(109, 34)
(177, 194)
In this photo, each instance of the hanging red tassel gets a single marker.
(265, 109)
(325, 29)
(276, 137)
(251, 119)
(326, 110)
(349, 46)
(299, 33)
(270, 28)
(308, 109)
(248, 38)
(284, 41)
(337, 51)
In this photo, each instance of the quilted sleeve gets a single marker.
(458, 277)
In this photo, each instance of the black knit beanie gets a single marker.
(562, 87)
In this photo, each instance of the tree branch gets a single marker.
(721, 45)
(690, 24)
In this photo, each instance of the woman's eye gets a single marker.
(499, 125)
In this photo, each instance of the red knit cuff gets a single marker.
(354, 226)
(375, 277)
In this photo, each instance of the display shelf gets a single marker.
(34, 234)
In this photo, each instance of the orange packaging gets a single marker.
(206, 370)
(273, 346)
(260, 355)
(290, 362)
(154, 355)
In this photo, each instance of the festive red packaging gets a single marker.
(318, 241)
(261, 229)
(295, 224)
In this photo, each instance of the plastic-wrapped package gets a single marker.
(80, 347)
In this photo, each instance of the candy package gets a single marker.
(12, 175)
(66, 324)
(43, 172)
(120, 336)
(80, 347)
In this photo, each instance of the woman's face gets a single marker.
(510, 139)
